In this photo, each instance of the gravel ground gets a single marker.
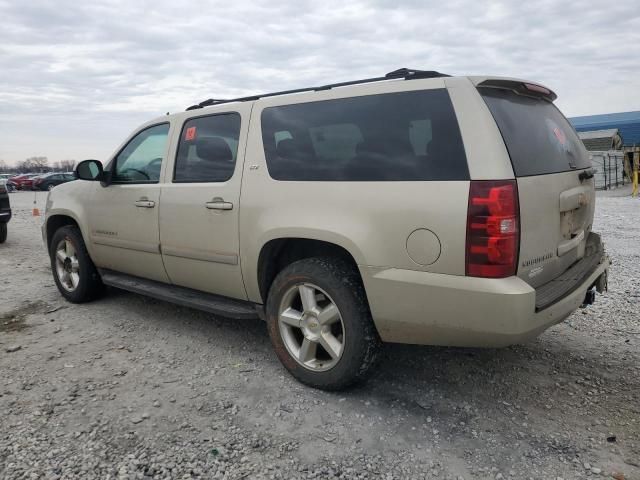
(128, 387)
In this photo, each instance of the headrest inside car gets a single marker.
(214, 149)
(287, 148)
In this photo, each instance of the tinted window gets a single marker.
(208, 148)
(396, 136)
(539, 138)
(141, 159)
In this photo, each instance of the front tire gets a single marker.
(320, 324)
(73, 271)
(3, 232)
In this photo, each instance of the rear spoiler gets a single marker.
(520, 87)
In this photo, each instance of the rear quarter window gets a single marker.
(406, 136)
(540, 140)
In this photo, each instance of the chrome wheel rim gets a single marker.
(67, 265)
(311, 327)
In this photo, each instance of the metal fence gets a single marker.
(609, 168)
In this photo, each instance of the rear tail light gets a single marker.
(493, 229)
(537, 88)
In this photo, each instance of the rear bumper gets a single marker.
(434, 309)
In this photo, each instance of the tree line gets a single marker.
(38, 165)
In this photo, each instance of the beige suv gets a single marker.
(414, 208)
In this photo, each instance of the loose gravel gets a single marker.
(132, 388)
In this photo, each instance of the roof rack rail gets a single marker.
(406, 73)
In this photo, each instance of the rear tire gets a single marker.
(320, 324)
(75, 274)
(3, 232)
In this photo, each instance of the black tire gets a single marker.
(90, 285)
(361, 342)
(3, 232)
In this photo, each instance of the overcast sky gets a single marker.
(77, 77)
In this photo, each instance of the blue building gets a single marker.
(627, 123)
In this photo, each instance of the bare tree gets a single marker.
(23, 166)
(68, 165)
(38, 164)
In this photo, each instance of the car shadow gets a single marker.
(522, 369)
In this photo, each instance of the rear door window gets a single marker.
(406, 136)
(208, 148)
(540, 140)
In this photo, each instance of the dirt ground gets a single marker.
(129, 387)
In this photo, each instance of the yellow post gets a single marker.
(636, 161)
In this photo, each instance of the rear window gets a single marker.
(540, 140)
(391, 137)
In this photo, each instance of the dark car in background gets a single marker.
(50, 180)
(5, 212)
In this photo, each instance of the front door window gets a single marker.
(141, 159)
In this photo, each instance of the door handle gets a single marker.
(144, 203)
(219, 204)
(569, 245)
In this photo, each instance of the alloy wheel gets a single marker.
(67, 265)
(311, 327)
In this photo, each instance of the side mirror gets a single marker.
(90, 170)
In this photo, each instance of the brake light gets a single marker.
(537, 88)
(493, 229)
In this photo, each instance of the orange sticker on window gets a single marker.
(190, 134)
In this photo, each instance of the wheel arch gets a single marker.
(56, 221)
(277, 253)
